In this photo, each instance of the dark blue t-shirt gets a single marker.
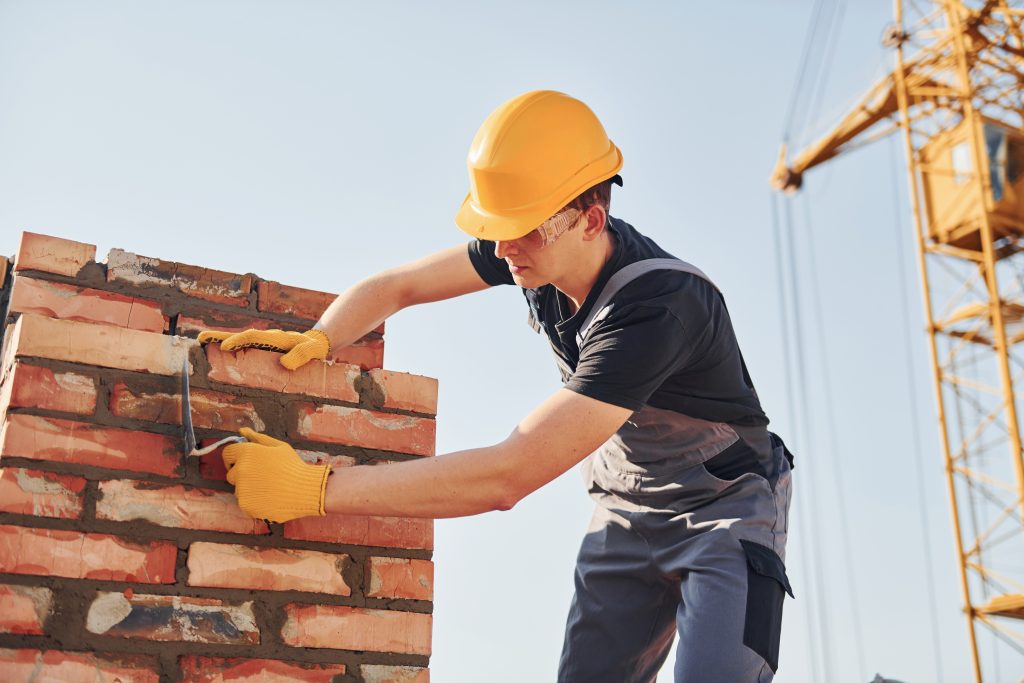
(667, 341)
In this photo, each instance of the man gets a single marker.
(692, 491)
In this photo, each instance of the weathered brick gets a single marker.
(174, 506)
(399, 577)
(23, 609)
(390, 532)
(263, 370)
(32, 386)
(308, 304)
(57, 440)
(275, 569)
(365, 428)
(53, 666)
(402, 391)
(353, 628)
(43, 494)
(210, 409)
(172, 618)
(56, 300)
(194, 281)
(367, 353)
(384, 673)
(4, 262)
(103, 345)
(48, 552)
(52, 254)
(218, 670)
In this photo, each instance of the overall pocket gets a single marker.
(767, 586)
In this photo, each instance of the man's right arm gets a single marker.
(361, 308)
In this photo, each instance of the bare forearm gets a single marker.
(359, 310)
(454, 485)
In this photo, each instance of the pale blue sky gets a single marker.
(316, 143)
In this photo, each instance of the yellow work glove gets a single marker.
(298, 347)
(271, 481)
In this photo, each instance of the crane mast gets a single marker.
(956, 92)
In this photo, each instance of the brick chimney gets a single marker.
(123, 560)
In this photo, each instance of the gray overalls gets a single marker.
(673, 547)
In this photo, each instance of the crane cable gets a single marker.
(801, 521)
(811, 45)
(838, 476)
(914, 422)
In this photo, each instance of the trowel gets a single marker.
(187, 434)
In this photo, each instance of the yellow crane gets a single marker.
(956, 93)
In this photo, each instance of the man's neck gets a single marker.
(577, 286)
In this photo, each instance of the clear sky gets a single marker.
(316, 143)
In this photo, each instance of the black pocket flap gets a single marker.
(765, 562)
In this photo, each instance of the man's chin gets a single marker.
(527, 280)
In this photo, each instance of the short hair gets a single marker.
(600, 194)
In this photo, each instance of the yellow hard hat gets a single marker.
(533, 155)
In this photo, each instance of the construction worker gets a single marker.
(691, 489)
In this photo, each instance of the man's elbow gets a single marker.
(506, 499)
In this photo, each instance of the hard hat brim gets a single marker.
(476, 222)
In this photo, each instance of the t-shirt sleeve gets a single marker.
(493, 270)
(629, 354)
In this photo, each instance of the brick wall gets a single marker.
(120, 559)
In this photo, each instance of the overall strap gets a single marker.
(623, 277)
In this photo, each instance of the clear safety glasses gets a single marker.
(549, 230)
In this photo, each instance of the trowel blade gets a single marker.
(188, 436)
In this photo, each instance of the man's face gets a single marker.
(537, 258)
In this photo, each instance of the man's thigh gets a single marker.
(729, 617)
(622, 617)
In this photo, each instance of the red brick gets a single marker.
(367, 353)
(52, 254)
(56, 440)
(174, 506)
(68, 302)
(353, 628)
(53, 666)
(103, 345)
(384, 673)
(194, 281)
(48, 552)
(210, 409)
(390, 532)
(170, 618)
(4, 262)
(308, 304)
(368, 429)
(399, 577)
(217, 670)
(31, 386)
(43, 494)
(402, 391)
(263, 370)
(275, 569)
(23, 609)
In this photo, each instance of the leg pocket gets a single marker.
(767, 585)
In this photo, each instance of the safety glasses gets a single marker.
(548, 231)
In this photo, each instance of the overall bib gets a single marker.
(688, 535)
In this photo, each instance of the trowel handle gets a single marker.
(214, 446)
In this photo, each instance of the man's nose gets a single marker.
(502, 248)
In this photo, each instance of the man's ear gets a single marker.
(597, 218)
